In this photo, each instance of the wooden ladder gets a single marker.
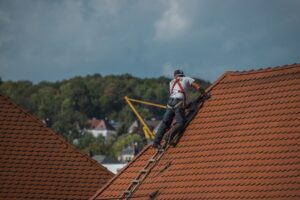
(143, 173)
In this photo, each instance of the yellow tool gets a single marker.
(148, 133)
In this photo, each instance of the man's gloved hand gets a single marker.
(202, 91)
(198, 88)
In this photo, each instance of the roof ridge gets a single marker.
(217, 82)
(263, 69)
(59, 137)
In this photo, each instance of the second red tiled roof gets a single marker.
(243, 144)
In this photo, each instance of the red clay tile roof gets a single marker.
(100, 124)
(244, 143)
(36, 163)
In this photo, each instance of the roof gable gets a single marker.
(36, 163)
(100, 124)
(243, 144)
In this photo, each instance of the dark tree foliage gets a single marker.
(70, 103)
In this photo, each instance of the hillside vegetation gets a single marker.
(70, 103)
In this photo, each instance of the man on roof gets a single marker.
(179, 87)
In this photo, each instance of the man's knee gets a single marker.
(177, 129)
(179, 125)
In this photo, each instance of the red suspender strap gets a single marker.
(181, 88)
(177, 81)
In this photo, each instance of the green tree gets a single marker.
(122, 129)
(88, 143)
(45, 102)
(124, 141)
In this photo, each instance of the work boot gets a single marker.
(156, 145)
(173, 143)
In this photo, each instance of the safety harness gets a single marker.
(177, 81)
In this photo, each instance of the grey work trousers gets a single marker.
(175, 108)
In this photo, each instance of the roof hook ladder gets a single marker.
(143, 173)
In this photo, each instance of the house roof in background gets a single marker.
(244, 143)
(100, 124)
(153, 124)
(104, 159)
(36, 163)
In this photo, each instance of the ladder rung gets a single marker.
(160, 150)
(127, 192)
(136, 181)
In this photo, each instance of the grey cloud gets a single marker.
(53, 40)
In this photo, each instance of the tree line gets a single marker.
(68, 104)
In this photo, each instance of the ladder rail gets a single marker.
(134, 184)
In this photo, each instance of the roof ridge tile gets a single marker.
(265, 69)
(255, 89)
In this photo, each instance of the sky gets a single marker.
(58, 39)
